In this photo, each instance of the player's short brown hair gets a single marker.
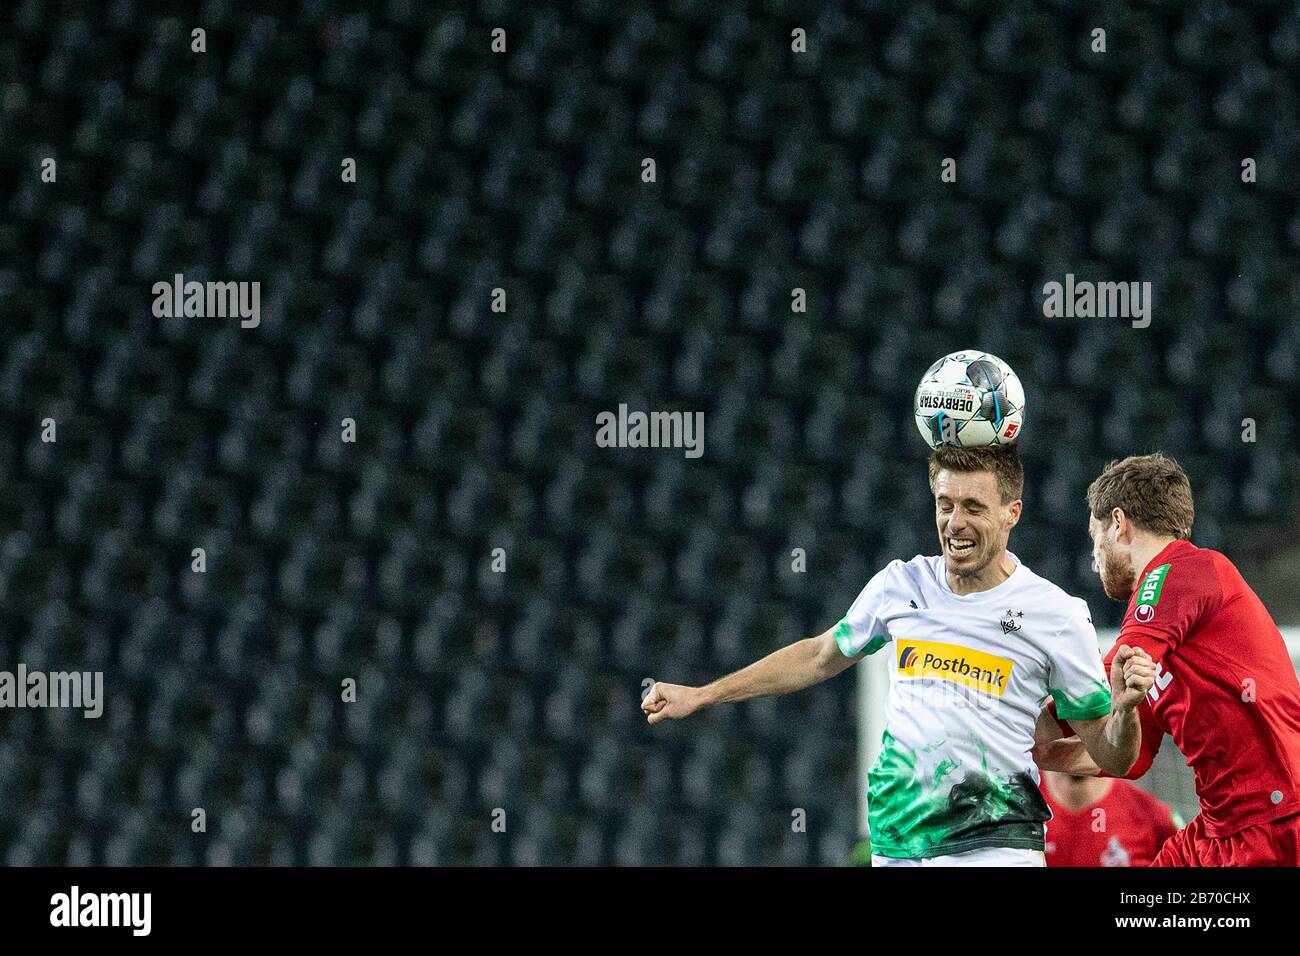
(1152, 490)
(1002, 460)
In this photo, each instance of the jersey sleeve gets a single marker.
(1170, 600)
(863, 627)
(1075, 678)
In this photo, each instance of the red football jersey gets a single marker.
(1126, 827)
(1225, 689)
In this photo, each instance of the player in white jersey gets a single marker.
(977, 643)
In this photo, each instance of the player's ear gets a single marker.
(1013, 512)
(1119, 521)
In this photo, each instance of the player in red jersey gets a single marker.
(1101, 821)
(1225, 689)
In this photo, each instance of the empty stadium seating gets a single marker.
(479, 691)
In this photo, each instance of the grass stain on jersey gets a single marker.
(909, 817)
(940, 772)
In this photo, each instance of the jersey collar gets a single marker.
(978, 595)
(1167, 552)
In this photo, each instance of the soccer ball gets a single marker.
(969, 399)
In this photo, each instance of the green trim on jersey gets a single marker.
(912, 817)
(1090, 706)
(844, 632)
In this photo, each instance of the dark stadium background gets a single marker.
(475, 430)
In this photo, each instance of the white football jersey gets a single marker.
(968, 674)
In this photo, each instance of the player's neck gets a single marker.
(1145, 549)
(997, 571)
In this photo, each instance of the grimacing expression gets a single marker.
(1117, 577)
(973, 522)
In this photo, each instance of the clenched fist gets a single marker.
(675, 701)
(1132, 672)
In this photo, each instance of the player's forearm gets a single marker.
(1067, 755)
(789, 669)
(1120, 742)
(1047, 728)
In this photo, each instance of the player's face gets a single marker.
(973, 523)
(1117, 577)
